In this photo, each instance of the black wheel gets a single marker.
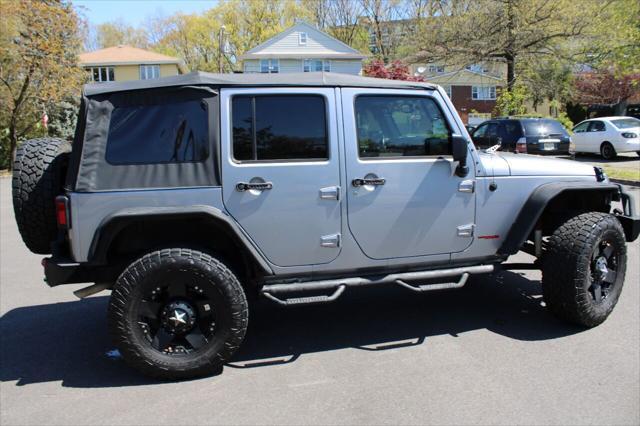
(584, 267)
(38, 177)
(607, 151)
(177, 313)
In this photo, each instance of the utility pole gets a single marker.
(220, 48)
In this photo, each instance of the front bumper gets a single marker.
(629, 219)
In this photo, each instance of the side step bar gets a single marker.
(339, 285)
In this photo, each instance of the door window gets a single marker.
(581, 128)
(292, 127)
(596, 126)
(480, 131)
(400, 126)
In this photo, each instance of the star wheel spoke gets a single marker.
(162, 339)
(196, 339)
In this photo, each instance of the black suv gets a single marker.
(523, 135)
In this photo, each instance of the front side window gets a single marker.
(596, 126)
(165, 133)
(483, 92)
(279, 127)
(400, 126)
(102, 74)
(148, 72)
(315, 65)
(269, 66)
(582, 127)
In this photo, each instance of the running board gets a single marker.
(338, 286)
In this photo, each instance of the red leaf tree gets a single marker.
(395, 71)
(603, 87)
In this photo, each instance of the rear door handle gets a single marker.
(258, 186)
(368, 181)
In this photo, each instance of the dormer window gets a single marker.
(302, 39)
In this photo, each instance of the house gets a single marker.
(473, 89)
(122, 63)
(302, 48)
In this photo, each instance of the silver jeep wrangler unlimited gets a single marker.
(186, 196)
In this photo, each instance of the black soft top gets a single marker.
(308, 79)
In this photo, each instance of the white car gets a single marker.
(607, 136)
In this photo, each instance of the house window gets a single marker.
(149, 72)
(269, 66)
(436, 69)
(477, 68)
(311, 65)
(100, 74)
(302, 39)
(483, 92)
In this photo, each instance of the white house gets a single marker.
(302, 48)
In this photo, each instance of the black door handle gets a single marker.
(260, 186)
(370, 181)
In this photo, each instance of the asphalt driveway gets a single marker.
(486, 354)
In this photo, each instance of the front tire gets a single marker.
(583, 268)
(177, 313)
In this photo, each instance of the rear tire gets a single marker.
(177, 314)
(583, 268)
(38, 177)
(607, 151)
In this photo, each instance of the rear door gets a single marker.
(280, 171)
(403, 197)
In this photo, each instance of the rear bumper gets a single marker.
(58, 271)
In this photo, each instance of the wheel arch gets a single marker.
(548, 201)
(201, 227)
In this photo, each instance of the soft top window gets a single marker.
(164, 133)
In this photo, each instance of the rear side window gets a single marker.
(280, 127)
(513, 128)
(400, 126)
(164, 133)
(543, 128)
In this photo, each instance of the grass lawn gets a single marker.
(619, 173)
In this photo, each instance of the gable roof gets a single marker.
(330, 47)
(450, 77)
(125, 55)
(306, 79)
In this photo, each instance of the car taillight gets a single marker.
(521, 145)
(62, 211)
(629, 135)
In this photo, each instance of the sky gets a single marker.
(134, 12)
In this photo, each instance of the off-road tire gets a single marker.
(123, 317)
(38, 177)
(567, 268)
(607, 151)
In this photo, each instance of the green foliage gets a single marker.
(62, 119)
(512, 102)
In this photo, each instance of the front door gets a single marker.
(403, 197)
(280, 171)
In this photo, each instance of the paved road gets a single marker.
(486, 354)
(625, 160)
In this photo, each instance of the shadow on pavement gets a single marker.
(68, 341)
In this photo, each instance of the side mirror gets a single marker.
(459, 150)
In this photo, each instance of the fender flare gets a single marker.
(536, 204)
(113, 223)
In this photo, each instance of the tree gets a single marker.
(604, 87)
(38, 63)
(395, 71)
(516, 32)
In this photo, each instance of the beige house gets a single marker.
(122, 63)
(302, 48)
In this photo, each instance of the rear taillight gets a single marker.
(62, 211)
(521, 145)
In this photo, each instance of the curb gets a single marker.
(626, 182)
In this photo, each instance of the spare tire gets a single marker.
(38, 177)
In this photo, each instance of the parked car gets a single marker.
(607, 136)
(523, 135)
(187, 196)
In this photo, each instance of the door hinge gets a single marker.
(466, 231)
(468, 185)
(330, 193)
(329, 241)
